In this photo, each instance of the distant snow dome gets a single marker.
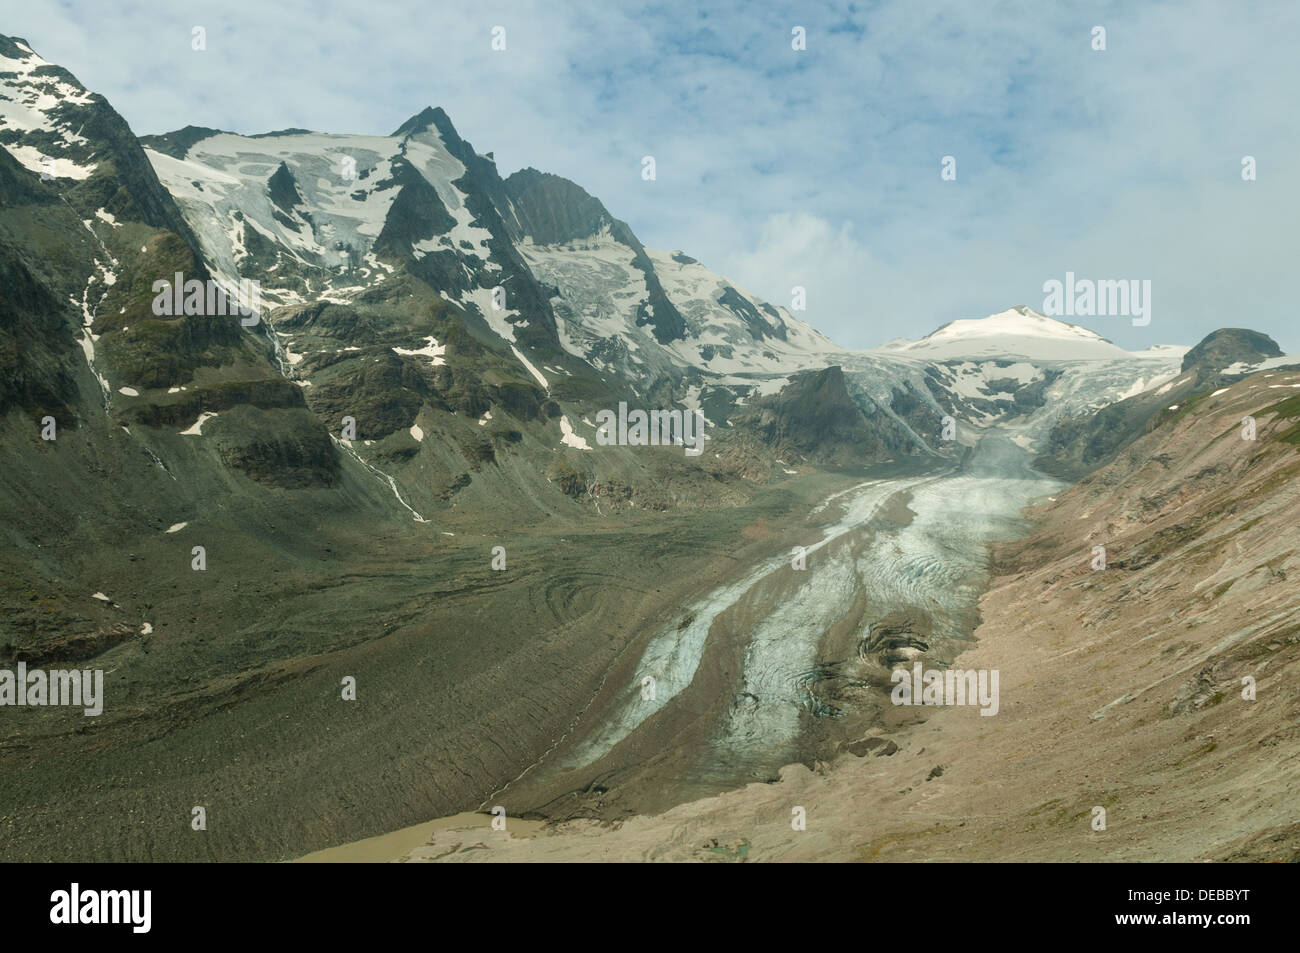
(1018, 332)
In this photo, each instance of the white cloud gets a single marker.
(839, 274)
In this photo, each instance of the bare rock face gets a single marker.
(814, 418)
(1227, 346)
(284, 448)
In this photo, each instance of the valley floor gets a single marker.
(465, 676)
(1121, 688)
(1159, 690)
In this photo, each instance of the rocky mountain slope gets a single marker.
(56, 128)
(815, 419)
(1080, 442)
(179, 513)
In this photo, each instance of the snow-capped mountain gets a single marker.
(332, 218)
(402, 275)
(59, 130)
(646, 313)
(727, 331)
(39, 114)
(1015, 364)
(318, 217)
(1016, 332)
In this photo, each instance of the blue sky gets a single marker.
(818, 168)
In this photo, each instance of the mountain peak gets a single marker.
(1019, 331)
(177, 143)
(1228, 346)
(16, 48)
(37, 124)
(1020, 319)
(283, 190)
(434, 116)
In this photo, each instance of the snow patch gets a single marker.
(196, 429)
(531, 370)
(569, 438)
(433, 351)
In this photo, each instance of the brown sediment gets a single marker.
(396, 845)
